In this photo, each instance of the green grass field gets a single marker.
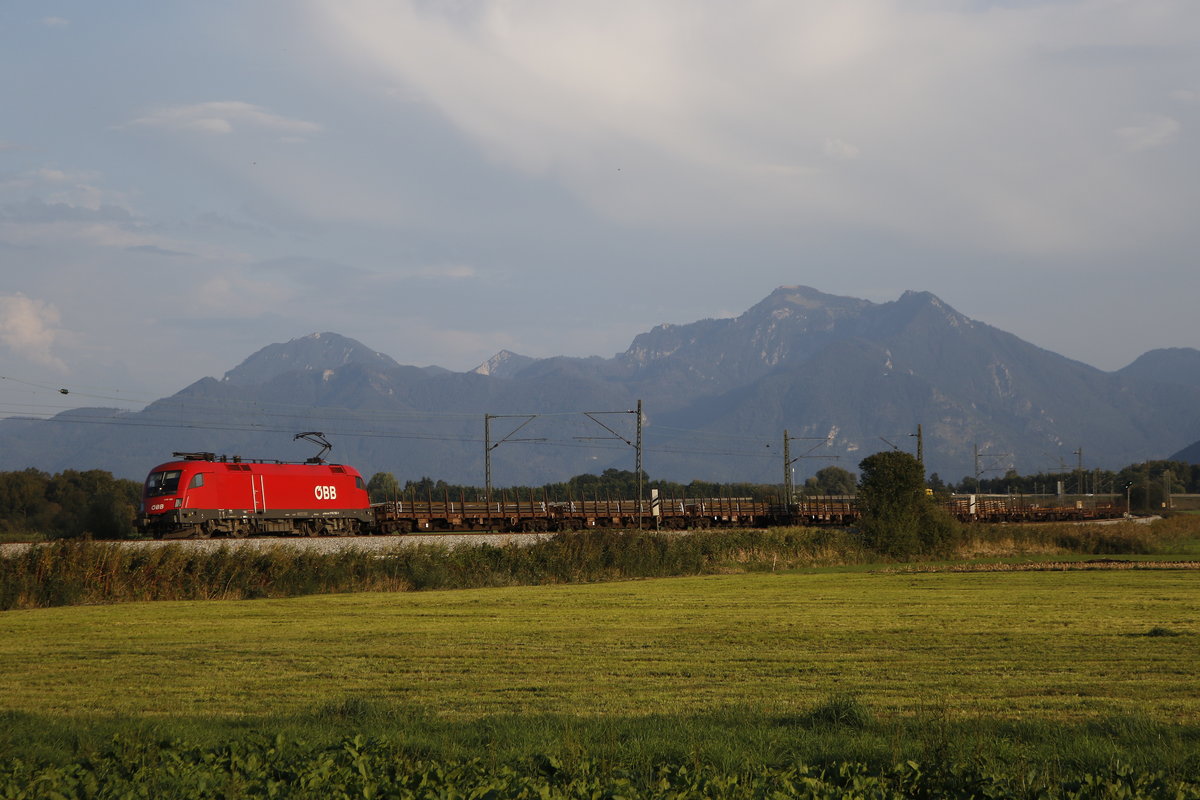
(1054, 671)
(1059, 646)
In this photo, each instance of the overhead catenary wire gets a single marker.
(199, 413)
(277, 410)
(87, 419)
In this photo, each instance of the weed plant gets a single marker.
(1175, 535)
(75, 571)
(366, 750)
(70, 572)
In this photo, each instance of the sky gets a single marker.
(182, 184)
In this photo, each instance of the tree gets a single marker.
(108, 516)
(899, 518)
(830, 480)
(22, 498)
(91, 503)
(383, 486)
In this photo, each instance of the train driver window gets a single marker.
(160, 483)
(197, 481)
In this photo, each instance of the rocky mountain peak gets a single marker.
(319, 352)
(769, 333)
(803, 308)
(804, 297)
(504, 364)
(800, 360)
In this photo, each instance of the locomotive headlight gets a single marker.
(178, 502)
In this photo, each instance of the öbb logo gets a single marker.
(325, 492)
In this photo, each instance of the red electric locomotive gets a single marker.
(200, 495)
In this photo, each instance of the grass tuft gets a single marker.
(842, 710)
(1159, 630)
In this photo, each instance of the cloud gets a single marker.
(55, 22)
(60, 227)
(225, 117)
(153, 250)
(959, 124)
(841, 150)
(81, 214)
(28, 329)
(34, 210)
(1154, 132)
(455, 272)
(231, 295)
(50, 193)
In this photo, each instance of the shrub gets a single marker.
(899, 519)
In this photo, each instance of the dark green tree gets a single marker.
(899, 518)
(91, 503)
(108, 515)
(22, 499)
(383, 486)
(830, 480)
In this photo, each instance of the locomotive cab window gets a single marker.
(358, 483)
(197, 481)
(160, 483)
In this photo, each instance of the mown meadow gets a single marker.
(754, 676)
(755, 679)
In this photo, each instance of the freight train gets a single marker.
(200, 495)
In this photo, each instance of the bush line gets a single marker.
(75, 571)
(70, 572)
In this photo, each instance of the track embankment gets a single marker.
(319, 544)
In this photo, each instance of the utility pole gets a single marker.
(489, 446)
(638, 459)
(789, 489)
(920, 449)
(1079, 487)
(979, 470)
(636, 444)
(977, 473)
(1149, 510)
(594, 416)
(789, 483)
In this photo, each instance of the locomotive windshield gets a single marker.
(160, 483)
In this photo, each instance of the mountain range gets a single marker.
(844, 377)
